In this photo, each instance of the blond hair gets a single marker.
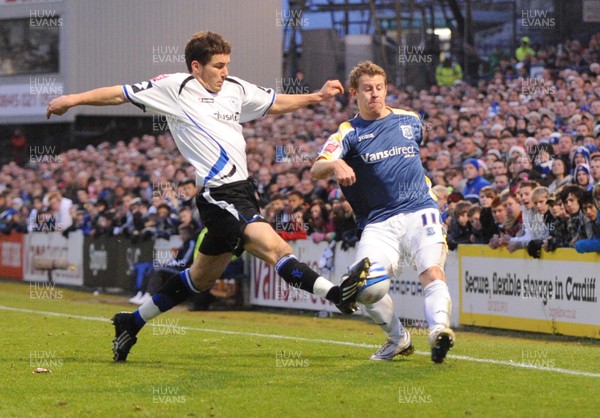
(540, 192)
(365, 68)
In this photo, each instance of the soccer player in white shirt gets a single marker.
(375, 159)
(204, 109)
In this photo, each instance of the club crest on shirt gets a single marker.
(407, 131)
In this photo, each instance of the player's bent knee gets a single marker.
(282, 249)
(431, 260)
(376, 287)
(432, 274)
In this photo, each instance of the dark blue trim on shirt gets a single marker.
(223, 157)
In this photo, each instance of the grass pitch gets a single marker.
(254, 364)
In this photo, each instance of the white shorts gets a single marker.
(414, 239)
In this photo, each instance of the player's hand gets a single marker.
(343, 173)
(57, 106)
(331, 88)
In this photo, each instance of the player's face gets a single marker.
(370, 96)
(213, 74)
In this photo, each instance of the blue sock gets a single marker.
(175, 291)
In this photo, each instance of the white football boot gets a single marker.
(391, 349)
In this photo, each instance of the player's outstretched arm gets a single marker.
(285, 103)
(343, 173)
(104, 96)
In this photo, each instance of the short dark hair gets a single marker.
(276, 196)
(163, 206)
(587, 199)
(473, 210)
(462, 207)
(187, 180)
(202, 46)
(296, 193)
(572, 189)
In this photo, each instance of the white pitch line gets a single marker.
(316, 340)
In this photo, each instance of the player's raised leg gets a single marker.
(263, 242)
(200, 276)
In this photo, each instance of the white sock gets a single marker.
(382, 313)
(149, 310)
(437, 305)
(322, 286)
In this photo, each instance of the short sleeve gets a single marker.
(256, 100)
(337, 145)
(157, 95)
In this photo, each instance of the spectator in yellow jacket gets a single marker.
(448, 72)
(524, 50)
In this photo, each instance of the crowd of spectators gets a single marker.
(513, 161)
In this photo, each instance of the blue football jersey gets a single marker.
(384, 155)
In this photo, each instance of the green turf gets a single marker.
(175, 372)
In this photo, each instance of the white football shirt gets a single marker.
(206, 126)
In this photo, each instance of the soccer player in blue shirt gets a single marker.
(375, 159)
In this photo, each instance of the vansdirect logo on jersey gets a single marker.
(405, 152)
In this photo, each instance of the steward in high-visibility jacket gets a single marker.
(524, 50)
(447, 73)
